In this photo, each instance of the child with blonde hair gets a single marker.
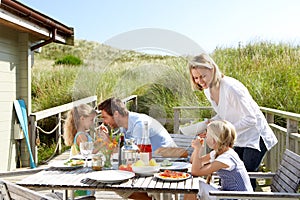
(79, 120)
(222, 159)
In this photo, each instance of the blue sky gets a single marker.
(209, 23)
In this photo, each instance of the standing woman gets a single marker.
(232, 101)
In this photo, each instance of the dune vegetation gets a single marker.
(270, 71)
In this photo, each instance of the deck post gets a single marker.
(176, 120)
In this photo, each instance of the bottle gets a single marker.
(145, 146)
(129, 153)
(121, 144)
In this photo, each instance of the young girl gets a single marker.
(79, 120)
(223, 160)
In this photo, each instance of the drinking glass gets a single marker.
(86, 149)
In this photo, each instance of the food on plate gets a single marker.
(139, 163)
(152, 162)
(172, 152)
(173, 174)
(140, 168)
(73, 163)
(166, 163)
(127, 167)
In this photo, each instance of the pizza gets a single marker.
(173, 175)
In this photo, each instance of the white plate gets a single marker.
(145, 170)
(61, 165)
(110, 176)
(172, 179)
(80, 157)
(194, 129)
(177, 166)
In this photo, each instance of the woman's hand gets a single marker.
(203, 134)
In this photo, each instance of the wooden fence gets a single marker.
(288, 137)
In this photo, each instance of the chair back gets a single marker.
(183, 141)
(10, 191)
(287, 176)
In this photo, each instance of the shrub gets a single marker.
(69, 60)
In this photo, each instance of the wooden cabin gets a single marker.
(22, 31)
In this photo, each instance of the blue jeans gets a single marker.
(252, 158)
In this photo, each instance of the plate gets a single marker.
(193, 129)
(185, 176)
(80, 157)
(110, 176)
(61, 164)
(177, 166)
(145, 170)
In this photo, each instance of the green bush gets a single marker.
(69, 60)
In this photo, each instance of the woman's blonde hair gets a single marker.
(73, 119)
(204, 61)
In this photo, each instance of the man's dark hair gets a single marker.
(113, 104)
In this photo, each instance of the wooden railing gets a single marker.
(57, 112)
(288, 137)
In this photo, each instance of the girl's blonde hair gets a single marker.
(204, 61)
(223, 132)
(73, 119)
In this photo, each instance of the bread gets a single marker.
(172, 152)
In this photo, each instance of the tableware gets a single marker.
(177, 166)
(64, 164)
(110, 176)
(161, 159)
(80, 157)
(193, 129)
(97, 162)
(86, 149)
(181, 178)
(145, 170)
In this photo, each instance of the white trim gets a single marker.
(27, 25)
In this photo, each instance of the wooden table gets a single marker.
(53, 178)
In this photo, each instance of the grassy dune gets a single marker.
(271, 72)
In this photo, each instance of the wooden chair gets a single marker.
(285, 182)
(12, 191)
(183, 141)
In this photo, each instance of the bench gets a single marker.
(285, 182)
(10, 191)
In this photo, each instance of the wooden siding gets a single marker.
(15, 79)
(8, 63)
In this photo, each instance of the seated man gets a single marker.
(116, 115)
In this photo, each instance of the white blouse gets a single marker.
(237, 106)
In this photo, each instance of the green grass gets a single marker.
(270, 71)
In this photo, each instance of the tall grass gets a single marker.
(270, 72)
